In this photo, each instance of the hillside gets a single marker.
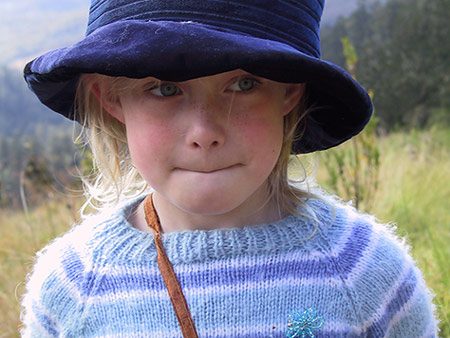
(20, 111)
(30, 27)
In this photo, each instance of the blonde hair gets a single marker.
(114, 176)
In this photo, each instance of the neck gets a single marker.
(255, 210)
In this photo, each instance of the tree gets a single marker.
(403, 57)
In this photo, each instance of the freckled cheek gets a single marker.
(263, 141)
(149, 145)
(263, 133)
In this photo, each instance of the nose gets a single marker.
(206, 128)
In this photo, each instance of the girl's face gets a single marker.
(206, 146)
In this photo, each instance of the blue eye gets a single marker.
(243, 85)
(165, 89)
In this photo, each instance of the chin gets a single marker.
(209, 204)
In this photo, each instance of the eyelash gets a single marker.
(255, 83)
(161, 85)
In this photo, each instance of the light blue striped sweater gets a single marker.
(353, 278)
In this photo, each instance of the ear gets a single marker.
(294, 92)
(110, 102)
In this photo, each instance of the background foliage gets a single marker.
(404, 58)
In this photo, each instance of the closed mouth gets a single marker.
(208, 171)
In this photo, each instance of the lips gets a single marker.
(208, 170)
(212, 171)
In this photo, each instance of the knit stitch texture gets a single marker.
(358, 280)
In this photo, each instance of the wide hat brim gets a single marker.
(179, 51)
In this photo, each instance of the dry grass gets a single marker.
(20, 237)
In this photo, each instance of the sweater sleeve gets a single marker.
(51, 301)
(396, 301)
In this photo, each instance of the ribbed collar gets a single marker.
(115, 237)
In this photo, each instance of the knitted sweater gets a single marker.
(342, 276)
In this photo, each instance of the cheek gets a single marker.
(262, 129)
(263, 138)
(149, 146)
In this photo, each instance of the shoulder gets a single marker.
(387, 289)
(60, 280)
(83, 246)
(341, 227)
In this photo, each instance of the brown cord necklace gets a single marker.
(168, 274)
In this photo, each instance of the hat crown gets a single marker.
(293, 22)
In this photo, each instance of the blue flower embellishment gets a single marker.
(303, 324)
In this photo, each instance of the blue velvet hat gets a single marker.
(177, 40)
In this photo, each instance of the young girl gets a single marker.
(192, 110)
